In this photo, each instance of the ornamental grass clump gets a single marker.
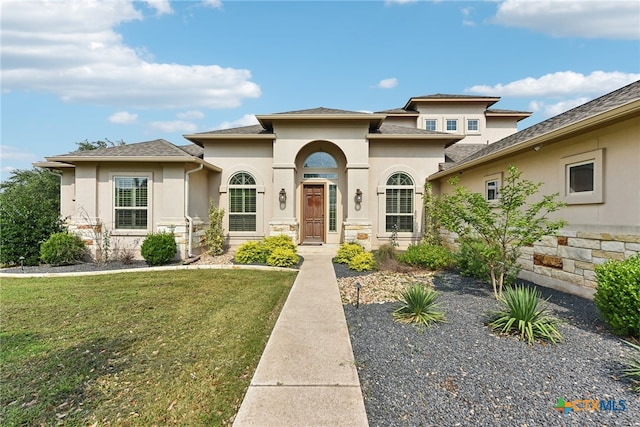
(632, 370)
(418, 306)
(524, 315)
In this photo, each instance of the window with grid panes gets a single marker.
(399, 203)
(242, 202)
(131, 202)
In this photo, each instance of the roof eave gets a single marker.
(53, 165)
(128, 159)
(520, 116)
(267, 120)
(630, 109)
(198, 138)
(488, 100)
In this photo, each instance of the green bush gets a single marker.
(159, 248)
(347, 251)
(282, 257)
(523, 314)
(280, 241)
(214, 235)
(618, 295)
(471, 261)
(251, 252)
(419, 306)
(362, 261)
(259, 252)
(62, 249)
(432, 257)
(385, 253)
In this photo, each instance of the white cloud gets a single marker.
(190, 115)
(390, 2)
(173, 126)
(123, 118)
(216, 4)
(466, 17)
(8, 152)
(553, 109)
(161, 6)
(388, 83)
(559, 84)
(70, 49)
(246, 120)
(619, 19)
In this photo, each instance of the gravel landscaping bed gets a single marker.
(461, 374)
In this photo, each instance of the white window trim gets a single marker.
(585, 197)
(426, 119)
(224, 201)
(446, 122)
(150, 187)
(476, 131)
(496, 177)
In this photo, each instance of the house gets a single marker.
(590, 155)
(326, 176)
(319, 175)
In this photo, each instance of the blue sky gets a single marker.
(137, 71)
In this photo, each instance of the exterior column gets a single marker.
(357, 227)
(284, 220)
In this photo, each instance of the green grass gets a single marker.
(155, 348)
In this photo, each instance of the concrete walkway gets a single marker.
(307, 375)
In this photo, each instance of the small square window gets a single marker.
(581, 178)
(581, 175)
(473, 125)
(452, 125)
(430, 124)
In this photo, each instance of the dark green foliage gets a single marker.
(260, 252)
(29, 214)
(282, 257)
(432, 257)
(632, 370)
(470, 259)
(159, 248)
(431, 225)
(362, 261)
(523, 313)
(214, 236)
(87, 145)
(347, 251)
(62, 249)
(418, 306)
(618, 295)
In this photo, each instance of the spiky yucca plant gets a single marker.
(524, 314)
(418, 306)
(632, 370)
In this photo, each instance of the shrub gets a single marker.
(428, 256)
(282, 257)
(280, 241)
(62, 249)
(419, 306)
(386, 252)
(347, 251)
(523, 314)
(470, 259)
(159, 248)
(632, 370)
(214, 235)
(618, 295)
(251, 252)
(362, 261)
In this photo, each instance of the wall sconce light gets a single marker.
(282, 196)
(358, 196)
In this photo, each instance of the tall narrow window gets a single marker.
(399, 203)
(491, 190)
(242, 202)
(131, 202)
(333, 211)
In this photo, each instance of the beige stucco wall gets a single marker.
(595, 232)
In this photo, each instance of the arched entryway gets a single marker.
(321, 179)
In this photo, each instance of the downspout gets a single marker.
(186, 207)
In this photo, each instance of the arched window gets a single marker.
(242, 202)
(320, 165)
(399, 203)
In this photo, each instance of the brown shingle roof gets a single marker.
(321, 110)
(245, 130)
(155, 148)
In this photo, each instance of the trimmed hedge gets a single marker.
(276, 251)
(433, 257)
(159, 248)
(618, 295)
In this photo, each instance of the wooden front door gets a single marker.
(313, 213)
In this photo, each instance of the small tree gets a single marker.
(214, 236)
(431, 228)
(505, 226)
(87, 145)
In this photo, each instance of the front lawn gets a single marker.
(148, 348)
